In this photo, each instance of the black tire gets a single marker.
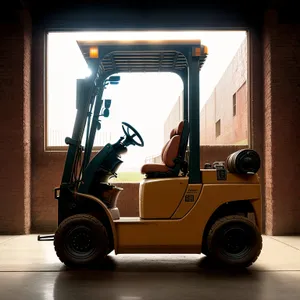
(234, 241)
(204, 248)
(81, 240)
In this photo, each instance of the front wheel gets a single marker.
(81, 240)
(234, 241)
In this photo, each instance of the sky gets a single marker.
(142, 100)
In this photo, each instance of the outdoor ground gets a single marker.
(31, 270)
(124, 177)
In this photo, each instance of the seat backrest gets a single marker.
(176, 146)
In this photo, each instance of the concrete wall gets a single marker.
(233, 129)
(219, 106)
(174, 117)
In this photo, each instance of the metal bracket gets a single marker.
(45, 238)
(221, 174)
(70, 141)
(220, 170)
(56, 193)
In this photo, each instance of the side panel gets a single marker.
(181, 235)
(159, 198)
(188, 201)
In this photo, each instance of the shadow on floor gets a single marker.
(132, 277)
(157, 279)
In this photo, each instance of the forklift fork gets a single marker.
(45, 238)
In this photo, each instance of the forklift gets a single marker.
(215, 210)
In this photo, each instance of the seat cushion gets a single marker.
(171, 151)
(153, 168)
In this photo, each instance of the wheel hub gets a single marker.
(80, 241)
(235, 240)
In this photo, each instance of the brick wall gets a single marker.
(281, 72)
(15, 49)
(26, 20)
(282, 134)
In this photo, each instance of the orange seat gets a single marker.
(172, 155)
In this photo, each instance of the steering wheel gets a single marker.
(130, 137)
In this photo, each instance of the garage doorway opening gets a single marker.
(151, 102)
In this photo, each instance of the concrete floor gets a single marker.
(31, 270)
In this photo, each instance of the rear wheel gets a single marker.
(234, 241)
(81, 240)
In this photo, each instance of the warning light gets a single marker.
(94, 52)
(196, 51)
(205, 50)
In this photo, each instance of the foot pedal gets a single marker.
(45, 238)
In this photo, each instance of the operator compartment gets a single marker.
(159, 198)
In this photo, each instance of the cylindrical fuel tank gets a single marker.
(245, 161)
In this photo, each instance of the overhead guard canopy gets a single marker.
(110, 57)
(183, 57)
